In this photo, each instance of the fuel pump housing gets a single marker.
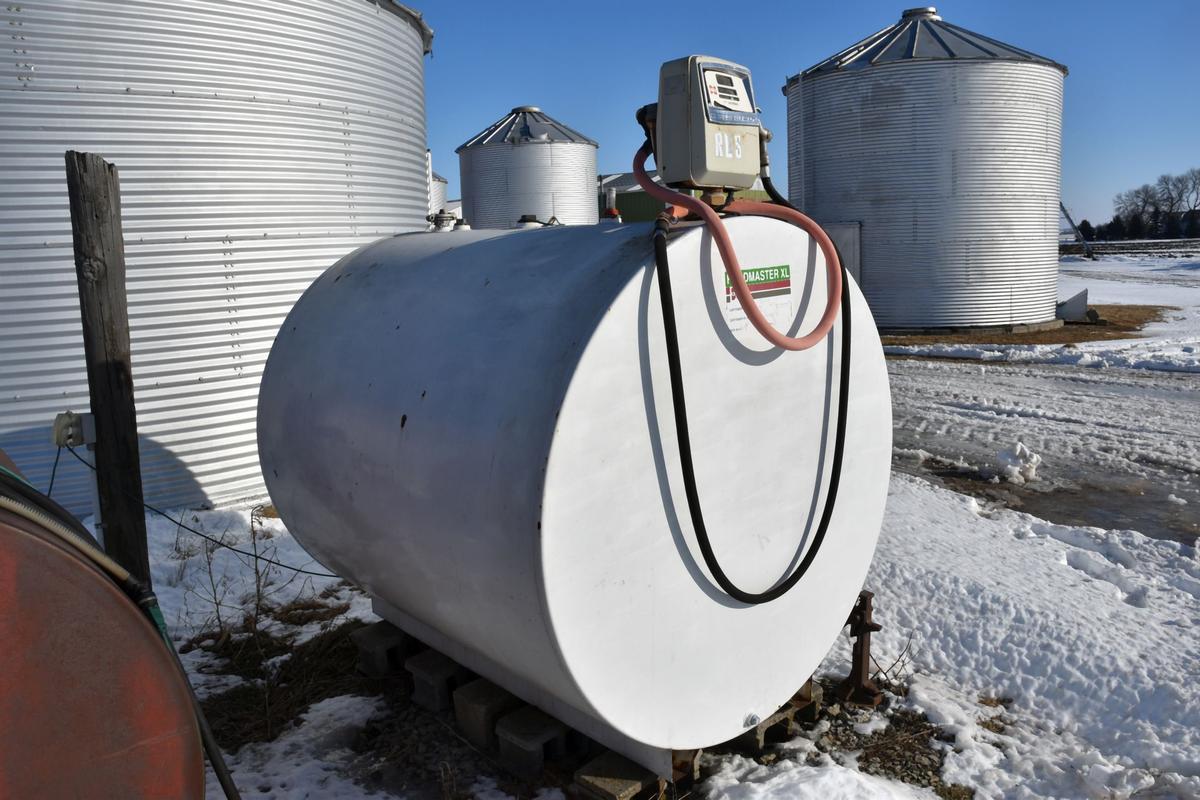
(708, 125)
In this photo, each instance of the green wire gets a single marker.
(160, 622)
(8, 471)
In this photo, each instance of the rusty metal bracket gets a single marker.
(858, 688)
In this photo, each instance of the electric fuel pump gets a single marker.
(708, 125)
(705, 133)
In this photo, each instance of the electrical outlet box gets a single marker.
(708, 126)
(73, 430)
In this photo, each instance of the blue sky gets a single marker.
(1131, 109)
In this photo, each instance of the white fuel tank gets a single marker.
(477, 428)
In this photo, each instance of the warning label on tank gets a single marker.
(771, 288)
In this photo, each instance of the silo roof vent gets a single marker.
(922, 35)
(526, 125)
(926, 12)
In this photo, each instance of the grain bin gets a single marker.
(437, 186)
(257, 143)
(437, 192)
(945, 146)
(528, 163)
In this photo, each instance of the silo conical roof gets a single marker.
(922, 35)
(526, 125)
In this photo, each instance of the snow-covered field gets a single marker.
(1108, 447)
(1173, 344)
(1092, 633)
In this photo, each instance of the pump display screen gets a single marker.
(730, 99)
(727, 91)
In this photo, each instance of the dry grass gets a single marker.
(911, 749)
(244, 649)
(403, 750)
(994, 724)
(1117, 322)
(262, 708)
(304, 611)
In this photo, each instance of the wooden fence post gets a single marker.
(95, 195)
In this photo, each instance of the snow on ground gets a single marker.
(1171, 345)
(739, 778)
(304, 762)
(198, 583)
(1093, 634)
(485, 789)
(1127, 428)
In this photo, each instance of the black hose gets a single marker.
(783, 201)
(148, 603)
(685, 446)
(216, 759)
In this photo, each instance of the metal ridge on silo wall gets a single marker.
(501, 182)
(953, 168)
(257, 143)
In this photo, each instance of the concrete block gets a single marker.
(611, 776)
(382, 648)
(478, 706)
(435, 676)
(773, 729)
(527, 739)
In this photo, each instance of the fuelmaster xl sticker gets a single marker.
(771, 288)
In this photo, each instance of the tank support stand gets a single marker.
(435, 677)
(382, 649)
(528, 738)
(807, 703)
(611, 776)
(858, 688)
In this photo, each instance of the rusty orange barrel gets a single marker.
(91, 702)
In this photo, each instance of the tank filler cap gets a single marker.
(525, 109)
(927, 12)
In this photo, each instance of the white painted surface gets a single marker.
(477, 428)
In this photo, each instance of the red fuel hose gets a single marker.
(725, 247)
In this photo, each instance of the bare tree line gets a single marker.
(1169, 208)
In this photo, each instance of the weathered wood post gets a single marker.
(95, 196)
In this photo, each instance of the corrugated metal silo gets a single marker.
(437, 192)
(257, 143)
(528, 163)
(945, 145)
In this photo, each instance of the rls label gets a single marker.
(771, 288)
(726, 146)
